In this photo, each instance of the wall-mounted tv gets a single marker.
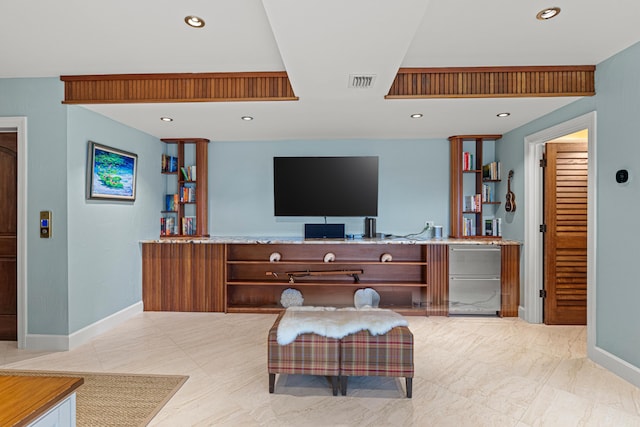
(325, 186)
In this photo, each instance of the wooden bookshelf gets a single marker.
(200, 185)
(460, 187)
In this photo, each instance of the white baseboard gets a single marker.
(620, 367)
(46, 342)
(86, 334)
(521, 312)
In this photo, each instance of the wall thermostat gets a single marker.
(622, 176)
(45, 224)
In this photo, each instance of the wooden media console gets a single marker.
(228, 275)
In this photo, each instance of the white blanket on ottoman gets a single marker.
(335, 322)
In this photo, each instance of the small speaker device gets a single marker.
(324, 231)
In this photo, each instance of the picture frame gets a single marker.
(111, 173)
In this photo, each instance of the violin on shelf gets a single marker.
(510, 199)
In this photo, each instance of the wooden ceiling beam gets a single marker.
(181, 87)
(493, 82)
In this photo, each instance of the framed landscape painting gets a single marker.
(111, 173)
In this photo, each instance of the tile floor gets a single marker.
(468, 372)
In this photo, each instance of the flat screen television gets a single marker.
(325, 186)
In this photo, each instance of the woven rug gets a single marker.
(110, 400)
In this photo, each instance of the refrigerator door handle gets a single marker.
(474, 249)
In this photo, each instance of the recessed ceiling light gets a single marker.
(247, 118)
(194, 21)
(166, 119)
(503, 114)
(548, 13)
(416, 115)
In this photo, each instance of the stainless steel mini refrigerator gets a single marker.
(474, 279)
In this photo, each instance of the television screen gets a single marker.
(325, 186)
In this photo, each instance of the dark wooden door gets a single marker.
(565, 241)
(8, 238)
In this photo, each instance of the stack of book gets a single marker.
(487, 193)
(169, 163)
(189, 173)
(493, 227)
(472, 203)
(167, 226)
(492, 171)
(467, 161)
(187, 194)
(189, 225)
(468, 227)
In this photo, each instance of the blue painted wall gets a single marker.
(90, 268)
(413, 185)
(105, 271)
(617, 103)
(39, 100)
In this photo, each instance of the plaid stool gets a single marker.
(309, 354)
(388, 355)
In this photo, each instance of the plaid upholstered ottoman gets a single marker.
(388, 355)
(309, 354)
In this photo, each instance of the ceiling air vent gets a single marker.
(362, 81)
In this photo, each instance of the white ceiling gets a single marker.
(319, 43)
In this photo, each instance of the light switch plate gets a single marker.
(45, 224)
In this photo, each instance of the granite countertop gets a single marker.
(301, 240)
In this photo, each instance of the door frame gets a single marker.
(19, 125)
(533, 242)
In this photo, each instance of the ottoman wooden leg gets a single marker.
(334, 385)
(409, 383)
(343, 384)
(272, 382)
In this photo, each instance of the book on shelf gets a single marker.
(492, 171)
(472, 203)
(171, 202)
(189, 225)
(493, 227)
(467, 161)
(168, 226)
(487, 193)
(468, 227)
(187, 193)
(189, 173)
(169, 163)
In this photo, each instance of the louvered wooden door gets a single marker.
(565, 242)
(8, 241)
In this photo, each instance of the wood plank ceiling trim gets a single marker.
(493, 82)
(183, 87)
